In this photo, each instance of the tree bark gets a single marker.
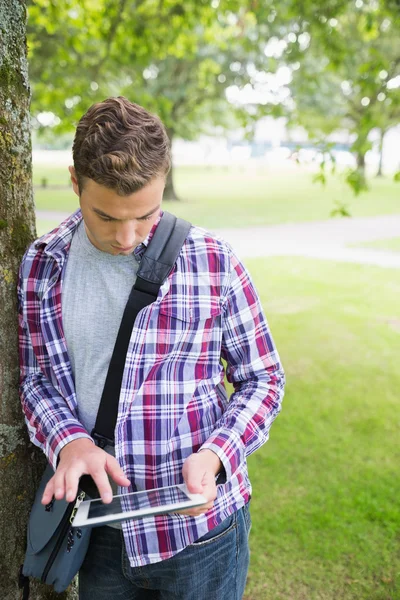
(361, 163)
(169, 192)
(382, 135)
(361, 168)
(21, 464)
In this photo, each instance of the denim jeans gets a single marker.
(213, 568)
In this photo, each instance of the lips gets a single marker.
(123, 249)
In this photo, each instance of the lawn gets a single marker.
(217, 197)
(45, 225)
(392, 244)
(326, 486)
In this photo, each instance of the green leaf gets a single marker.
(341, 210)
(319, 178)
(356, 180)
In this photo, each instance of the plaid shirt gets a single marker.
(173, 401)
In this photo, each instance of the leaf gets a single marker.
(356, 180)
(319, 178)
(341, 210)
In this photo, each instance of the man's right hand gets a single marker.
(83, 457)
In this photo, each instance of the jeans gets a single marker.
(213, 568)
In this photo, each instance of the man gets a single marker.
(175, 423)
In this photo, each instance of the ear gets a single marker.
(74, 180)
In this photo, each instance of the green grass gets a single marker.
(44, 226)
(392, 244)
(326, 486)
(218, 197)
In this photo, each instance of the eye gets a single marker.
(108, 220)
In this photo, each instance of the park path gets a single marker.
(326, 240)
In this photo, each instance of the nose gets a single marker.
(126, 234)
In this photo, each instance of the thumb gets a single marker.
(193, 478)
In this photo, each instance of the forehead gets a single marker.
(135, 205)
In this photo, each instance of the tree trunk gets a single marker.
(382, 135)
(361, 169)
(361, 163)
(21, 464)
(169, 192)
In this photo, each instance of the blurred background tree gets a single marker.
(349, 78)
(338, 60)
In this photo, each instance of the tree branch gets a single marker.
(95, 69)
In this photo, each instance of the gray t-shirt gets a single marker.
(95, 291)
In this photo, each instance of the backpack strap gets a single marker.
(23, 584)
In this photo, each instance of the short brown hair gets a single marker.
(120, 145)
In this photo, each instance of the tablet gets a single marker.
(136, 505)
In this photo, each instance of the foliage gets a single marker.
(177, 59)
(349, 78)
(172, 57)
(181, 60)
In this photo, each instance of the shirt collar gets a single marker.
(57, 241)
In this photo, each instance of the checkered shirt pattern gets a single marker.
(173, 400)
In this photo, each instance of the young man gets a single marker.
(175, 423)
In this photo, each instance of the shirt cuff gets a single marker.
(229, 448)
(60, 437)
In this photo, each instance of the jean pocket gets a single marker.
(218, 532)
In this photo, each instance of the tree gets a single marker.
(81, 54)
(181, 59)
(349, 78)
(186, 84)
(21, 465)
(177, 59)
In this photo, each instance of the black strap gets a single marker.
(156, 264)
(23, 584)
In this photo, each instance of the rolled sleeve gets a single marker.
(51, 425)
(254, 369)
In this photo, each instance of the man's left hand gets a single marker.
(199, 472)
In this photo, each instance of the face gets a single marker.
(118, 224)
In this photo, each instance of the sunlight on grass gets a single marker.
(325, 509)
(217, 197)
(391, 244)
(44, 226)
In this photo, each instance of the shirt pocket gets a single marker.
(190, 310)
(187, 326)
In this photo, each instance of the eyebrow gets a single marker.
(103, 214)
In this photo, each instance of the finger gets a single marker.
(209, 492)
(192, 513)
(71, 483)
(103, 485)
(59, 484)
(116, 472)
(48, 492)
(195, 512)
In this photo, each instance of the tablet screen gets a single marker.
(136, 501)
